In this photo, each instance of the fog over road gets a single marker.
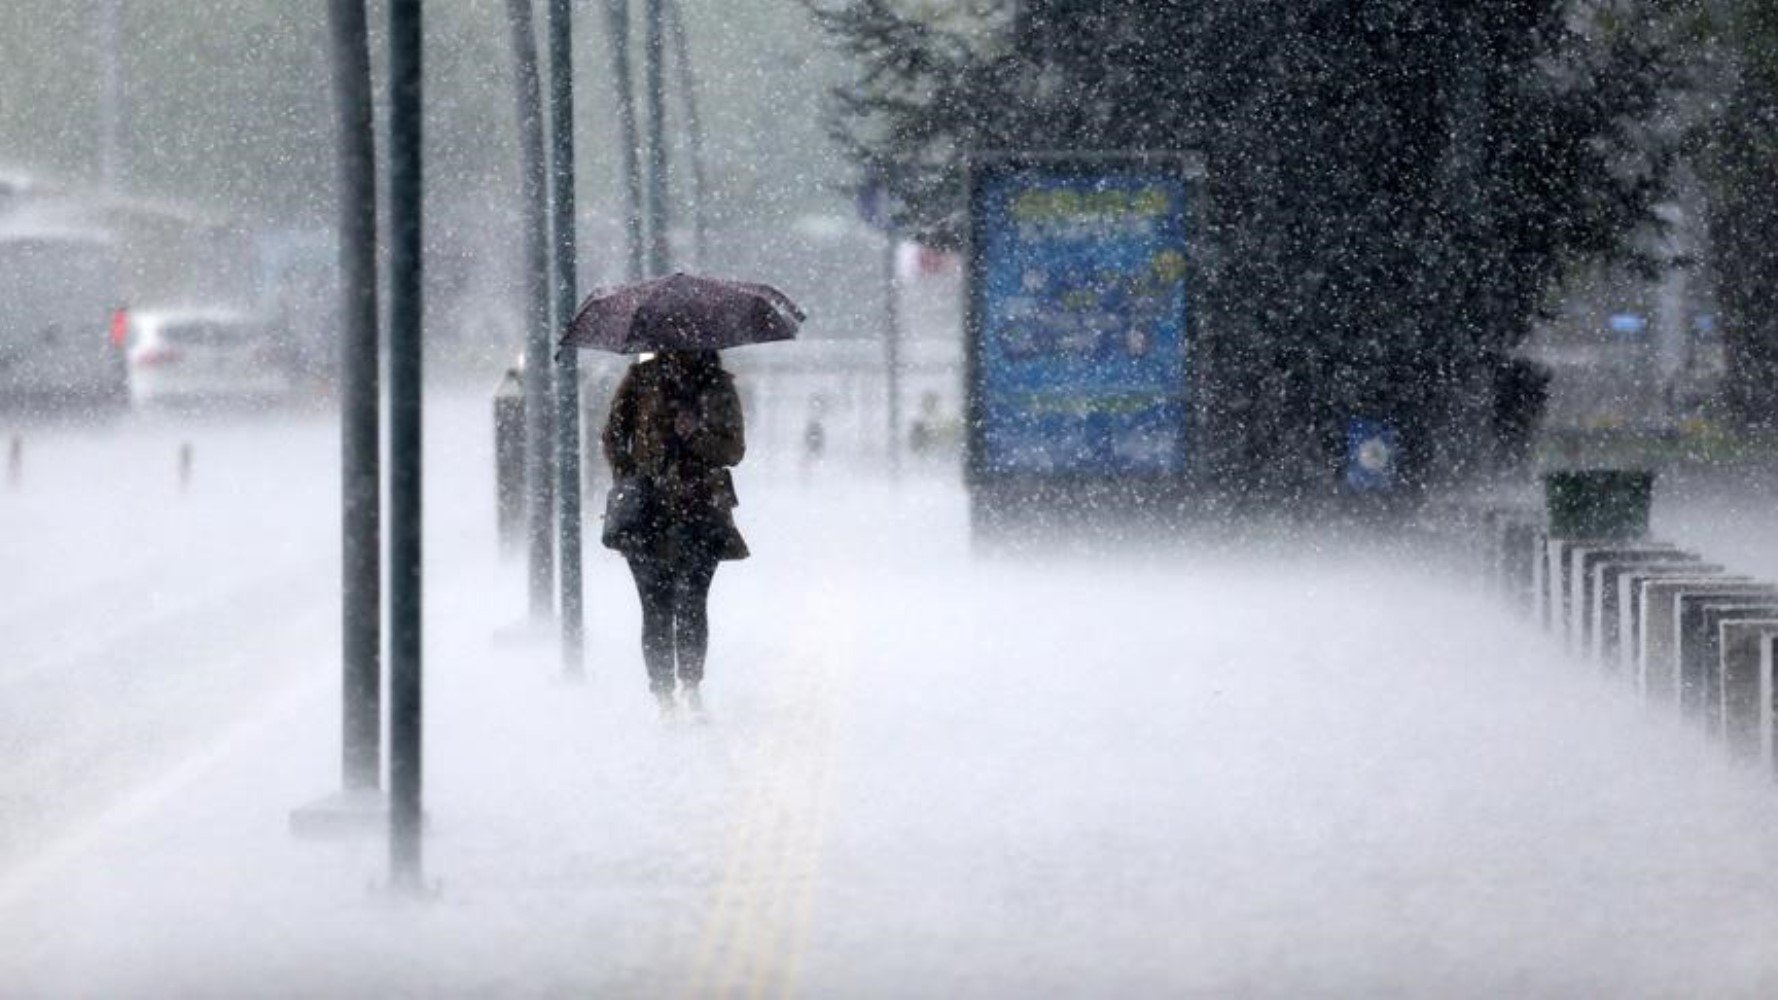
(1243, 765)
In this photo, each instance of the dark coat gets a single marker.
(680, 435)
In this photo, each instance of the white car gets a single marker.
(203, 356)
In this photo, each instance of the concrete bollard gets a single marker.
(1741, 642)
(1700, 652)
(1628, 633)
(1477, 530)
(1599, 619)
(509, 460)
(1559, 611)
(1519, 544)
(1558, 594)
(1709, 658)
(1768, 712)
(1490, 545)
(1548, 555)
(1659, 670)
(1583, 558)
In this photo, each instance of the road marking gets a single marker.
(46, 865)
(756, 932)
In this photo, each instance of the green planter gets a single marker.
(1605, 504)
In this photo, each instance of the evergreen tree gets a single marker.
(1394, 187)
(1738, 161)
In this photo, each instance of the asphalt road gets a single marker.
(1250, 765)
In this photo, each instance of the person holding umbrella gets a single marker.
(674, 431)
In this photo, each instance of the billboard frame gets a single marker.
(990, 489)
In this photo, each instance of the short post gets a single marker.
(1701, 617)
(1540, 577)
(185, 463)
(509, 460)
(1740, 642)
(1625, 633)
(1599, 619)
(15, 462)
(1768, 694)
(1583, 560)
(1662, 608)
(1519, 552)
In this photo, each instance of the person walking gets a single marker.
(674, 431)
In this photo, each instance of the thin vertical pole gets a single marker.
(534, 186)
(361, 590)
(617, 17)
(561, 91)
(892, 352)
(694, 131)
(111, 145)
(654, 93)
(405, 344)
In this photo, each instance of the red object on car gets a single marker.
(120, 326)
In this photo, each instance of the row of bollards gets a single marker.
(1678, 629)
(15, 463)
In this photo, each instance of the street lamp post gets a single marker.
(654, 94)
(561, 91)
(111, 116)
(405, 344)
(617, 20)
(534, 184)
(360, 430)
(694, 132)
(360, 803)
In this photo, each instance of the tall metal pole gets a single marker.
(405, 206)
(361, 590)
(694, 130)
(561, 93)
(534, 189)
(654, 92)
(111, 95)
(617, 17)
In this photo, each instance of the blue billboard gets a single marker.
(1078, 318)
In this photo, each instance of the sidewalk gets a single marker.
(927, 775)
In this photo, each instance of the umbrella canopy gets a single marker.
(682, 312)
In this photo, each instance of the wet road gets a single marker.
(1255, 767)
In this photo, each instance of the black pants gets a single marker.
(675, 617)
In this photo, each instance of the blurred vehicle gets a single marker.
(60, 347)
(204, 356)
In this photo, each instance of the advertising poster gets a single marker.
(1078, 319)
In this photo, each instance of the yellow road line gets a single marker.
(757, 928)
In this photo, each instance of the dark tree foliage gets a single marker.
(1740, 167)
(1393, 187)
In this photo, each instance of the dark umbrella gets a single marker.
(682, 312)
